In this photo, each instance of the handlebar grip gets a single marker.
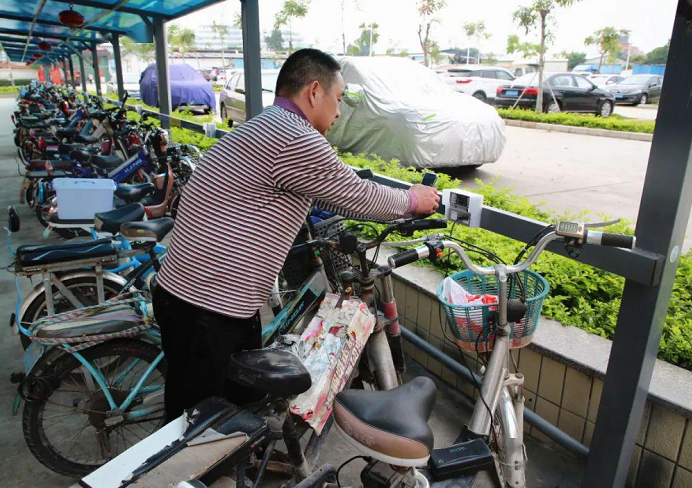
(612, 240)
(299, 250)
(409, 256)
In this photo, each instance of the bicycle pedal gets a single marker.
(16, 378)
(460, 459)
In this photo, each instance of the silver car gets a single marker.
(232, 96)
(130, 83)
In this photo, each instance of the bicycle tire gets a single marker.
(509, 445)
(62, 372)
(37, 308)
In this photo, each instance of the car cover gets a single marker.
(397, 108)
(187, 86)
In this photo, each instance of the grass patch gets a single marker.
(614, 122)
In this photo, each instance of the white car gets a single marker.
(232, 96)
(480, 82)
(603, 80)
(130, 83)
(399, 109)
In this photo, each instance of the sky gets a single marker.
(649, 21)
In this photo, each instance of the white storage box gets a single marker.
(81, 198)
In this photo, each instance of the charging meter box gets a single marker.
(463, 207)
(81, 198)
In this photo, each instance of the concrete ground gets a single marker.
(641, 112)
(571, 173)
(18, 469)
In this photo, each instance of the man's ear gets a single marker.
(312, 93)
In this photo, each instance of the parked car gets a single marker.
(397, 108)
(189, 89)
(480, 82)
(638, 89)
(573, 93)
(232, 96)
(130, 83)
(605, 80)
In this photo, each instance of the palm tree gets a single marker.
(221, 31)
(290, 10)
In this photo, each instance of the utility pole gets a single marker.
(371, 24)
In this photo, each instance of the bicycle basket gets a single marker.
(295, 270)
(475, 324)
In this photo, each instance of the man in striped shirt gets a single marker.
(238, 217)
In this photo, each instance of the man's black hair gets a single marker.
(305, 66)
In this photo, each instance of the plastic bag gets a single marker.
(456, 294)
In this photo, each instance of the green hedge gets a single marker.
(19, 82)
(8, 89)
(580, 295)
(613, 122)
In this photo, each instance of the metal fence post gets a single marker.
(252, 58)
(164, 89)
(69, 61)
(97, 76)
(663, 214)
(115, 41)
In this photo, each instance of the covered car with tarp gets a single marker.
(397, 108)
(189, 89)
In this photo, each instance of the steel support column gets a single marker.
(663, 214)
(252, 58)
(95, 62)
(163, 86)
(115, 41)
(82, 75)
(69, 62)
(64, 70)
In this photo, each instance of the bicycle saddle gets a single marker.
(134, 193)
(111, 220)
(271, 371)
(86, 139)
(107, 162)
(32, 255)
(390, 426)
(151, 230)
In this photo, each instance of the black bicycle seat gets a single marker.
(151, 230)
(107, 162)
(134, 193)
(110, 221)
(86, 139)
(63, 133)
(271, 371)
(404, 438)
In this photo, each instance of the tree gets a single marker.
(144, 51)
(477, 32)
(221, 31)
(275, 40)
(342, 4)
(363, 45)
(527, 49)
(574, 58)
(490, 58)
(181, 39)
(658, 55)
(608, 42)
(395, 51)
(292, 9)
(426, 10)
(537, 15)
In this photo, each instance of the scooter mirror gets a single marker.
(13, 219)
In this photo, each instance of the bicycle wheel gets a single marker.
(83, 288)
(70, 428)
(507, 443)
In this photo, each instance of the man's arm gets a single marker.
(308, 165)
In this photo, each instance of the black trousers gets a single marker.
(197, 344)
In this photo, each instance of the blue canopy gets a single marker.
(28, 22)
(187, 87)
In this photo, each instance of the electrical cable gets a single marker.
(338, 482)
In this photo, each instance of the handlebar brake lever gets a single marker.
(596, 225)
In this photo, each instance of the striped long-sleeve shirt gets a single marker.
(245, 203)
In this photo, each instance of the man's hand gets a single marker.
(428, 199)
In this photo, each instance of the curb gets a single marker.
(633, 136)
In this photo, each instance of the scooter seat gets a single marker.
(31, 255)
(404, 439)
(134, 193)
(272, 371)
(38, 174)
(110, 221)
(81, 154)
(151, 230)
(68, 132)
(107, 162)
(114, 320)
(86, 139)
(66, 149)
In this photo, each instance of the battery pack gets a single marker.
(463, 458)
